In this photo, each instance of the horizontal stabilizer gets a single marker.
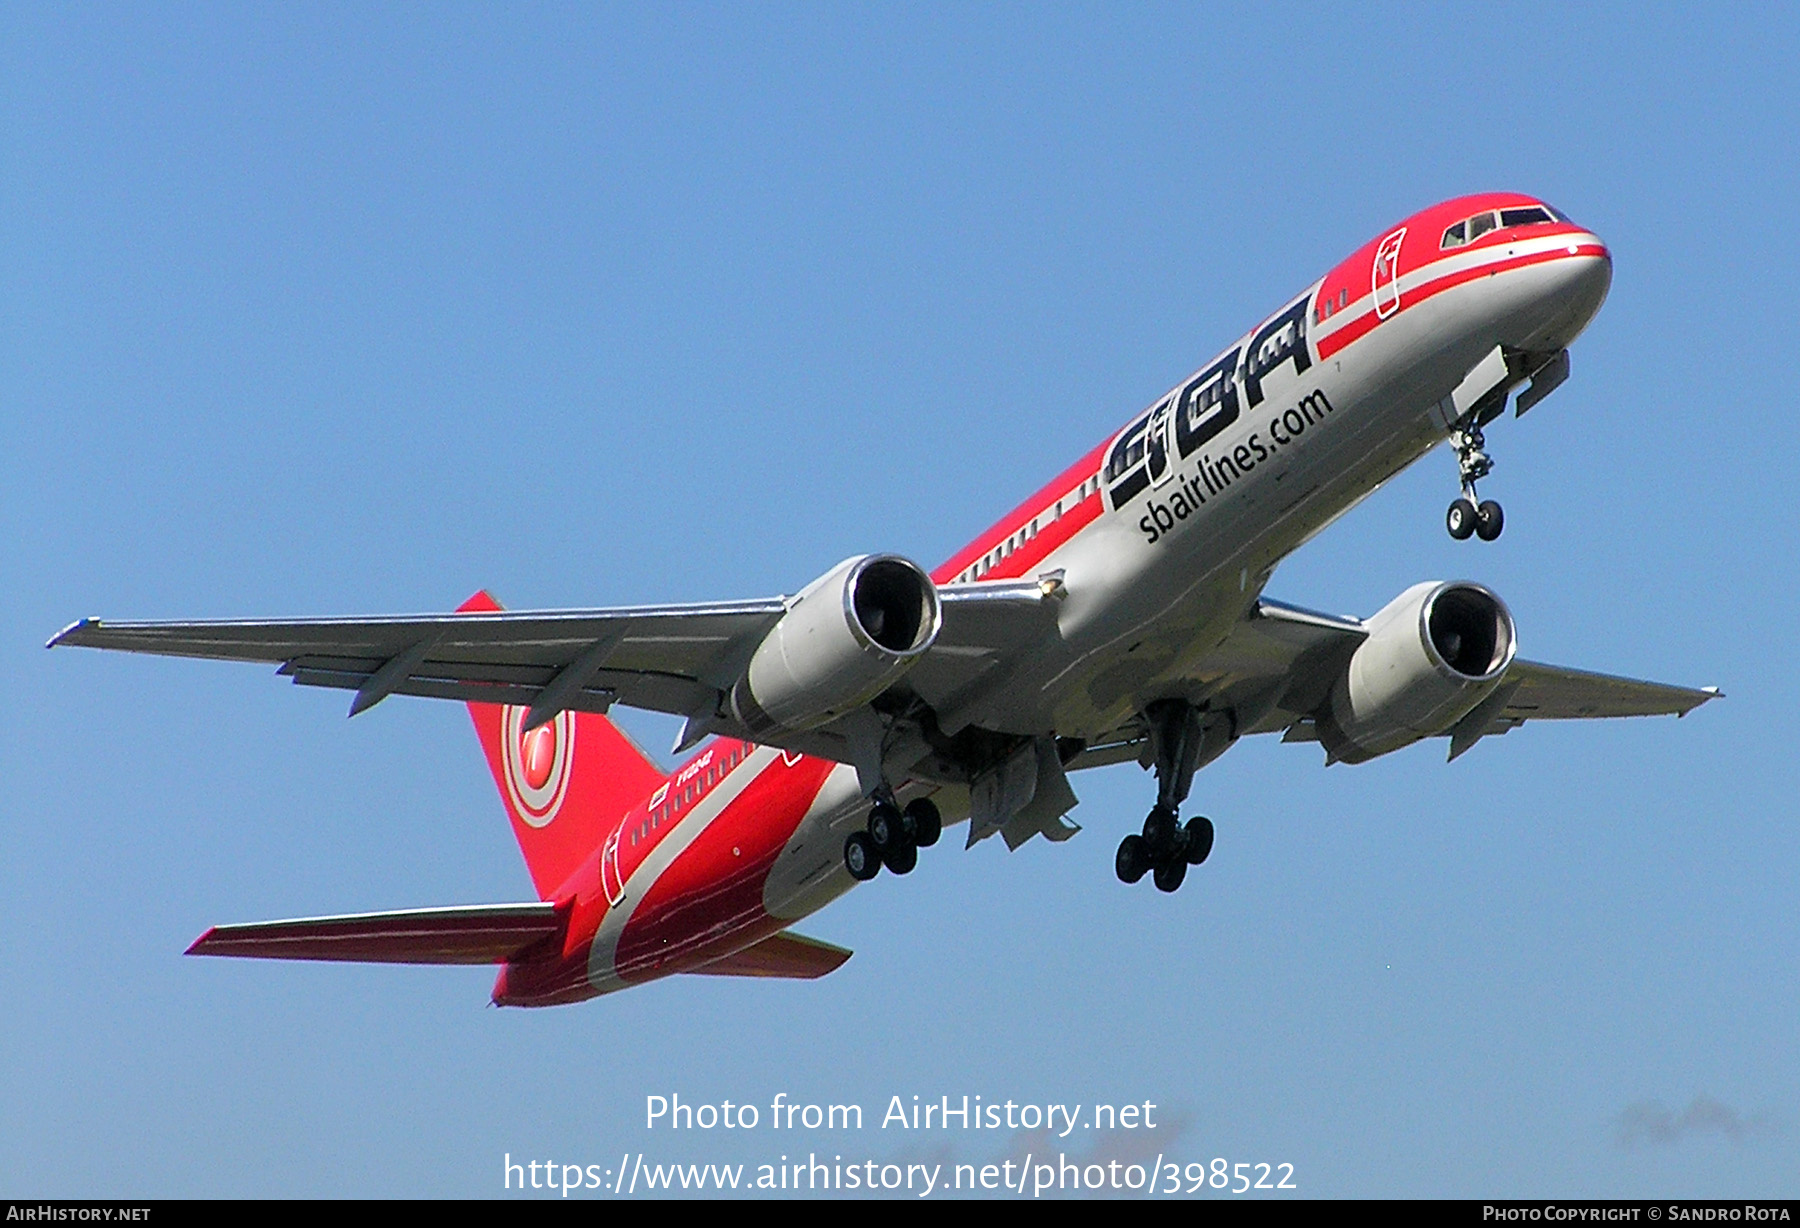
(787, 954)
(473, 934)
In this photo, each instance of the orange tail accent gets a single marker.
(565, 784)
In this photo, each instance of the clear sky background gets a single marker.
(330, 311)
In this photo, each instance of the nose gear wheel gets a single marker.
(1466, 517)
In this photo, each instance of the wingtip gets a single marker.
(1707, 695)
(199, 944)
(79, 625)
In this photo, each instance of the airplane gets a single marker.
(1115, 615)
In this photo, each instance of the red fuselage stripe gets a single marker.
(1021, 515)
(1364, 324)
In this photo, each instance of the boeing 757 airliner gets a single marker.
(1117, 614)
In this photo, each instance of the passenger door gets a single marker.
(1385, 276)
(610, 880)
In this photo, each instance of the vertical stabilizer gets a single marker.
(565, 784)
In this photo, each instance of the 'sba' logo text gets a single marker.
(1145, 454)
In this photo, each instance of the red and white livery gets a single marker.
(1115, 615)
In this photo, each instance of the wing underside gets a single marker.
(681, 660)
(1305, 652)
(666, 659)
(1275, 669)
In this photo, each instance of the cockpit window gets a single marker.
(1532, 216)
(1470, 229)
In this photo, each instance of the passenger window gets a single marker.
(1456, 236)
(1532, 216)
(1479, 225)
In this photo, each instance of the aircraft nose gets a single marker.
(1591, 272)
(1583, 276)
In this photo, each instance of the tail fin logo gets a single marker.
(538, 764)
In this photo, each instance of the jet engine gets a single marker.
(848, 636)
(1433, 653)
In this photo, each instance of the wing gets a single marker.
(1278, 666)
(678, 659)
(985, 626)
(664, 658)
(1536, 692)
(1553, 693)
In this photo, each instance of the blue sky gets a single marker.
(338, 311)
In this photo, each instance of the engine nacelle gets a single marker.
(1433, 653)
(847, 637)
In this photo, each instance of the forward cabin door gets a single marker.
(1384, 278)
(1156, 444)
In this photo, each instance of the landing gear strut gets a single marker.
(1466, 517)
(1166, 848)
(892, 837)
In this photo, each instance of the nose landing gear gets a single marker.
(1466, 517)
(892, 837)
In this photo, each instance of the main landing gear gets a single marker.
(1466, 517)
(893, 837)
(1167, 847)
(1165, 850)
